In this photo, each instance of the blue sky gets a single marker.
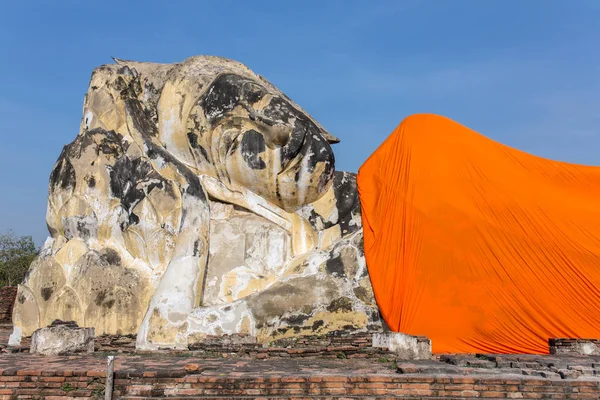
(525, 73)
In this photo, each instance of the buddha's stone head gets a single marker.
(221, 119)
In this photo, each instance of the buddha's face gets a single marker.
(261, 141)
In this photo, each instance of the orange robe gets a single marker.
(479, 246)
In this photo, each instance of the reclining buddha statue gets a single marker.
(198, 200)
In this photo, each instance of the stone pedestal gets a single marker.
(586, 347)
(62, 338)
(406, 347)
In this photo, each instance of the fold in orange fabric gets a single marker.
(479, 246)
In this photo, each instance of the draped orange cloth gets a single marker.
(479, 246)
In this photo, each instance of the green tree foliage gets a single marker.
(16, 254)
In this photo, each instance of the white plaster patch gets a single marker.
(88, 118)
(407, 347)
(224, 319)
(15, 337)
(46, 249)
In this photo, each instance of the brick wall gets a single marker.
(400, 386)
(30, 376)
(7, 300)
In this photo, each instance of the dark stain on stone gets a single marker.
(222, 96)
(193, 139)
(133, 220)
(341, 304)
(196, 248)
(109, 304)
(21, 298)
(362, 294)
(91, 181)
(280, 110)
(130, 179)
(226, 92)
(100, 297)
(297, 319)
(281, 331)
(253, 143)
(111, 257)
(46, 293)
(102, 141)
(111, 143)
(204, 153)
(128, 88)
(375, 315)
(63, 174)
(253, 92)
(317, 220)
(317, 324)
(344, 186)
(335, 266)
(142, 120)
(84, 230)
(294, 296)
(347, 201)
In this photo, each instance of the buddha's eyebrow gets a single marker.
(254, 115)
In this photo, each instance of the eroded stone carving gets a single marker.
(197, 200)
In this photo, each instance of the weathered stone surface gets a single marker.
(406, 347)
(62, 338)
(198, 200)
